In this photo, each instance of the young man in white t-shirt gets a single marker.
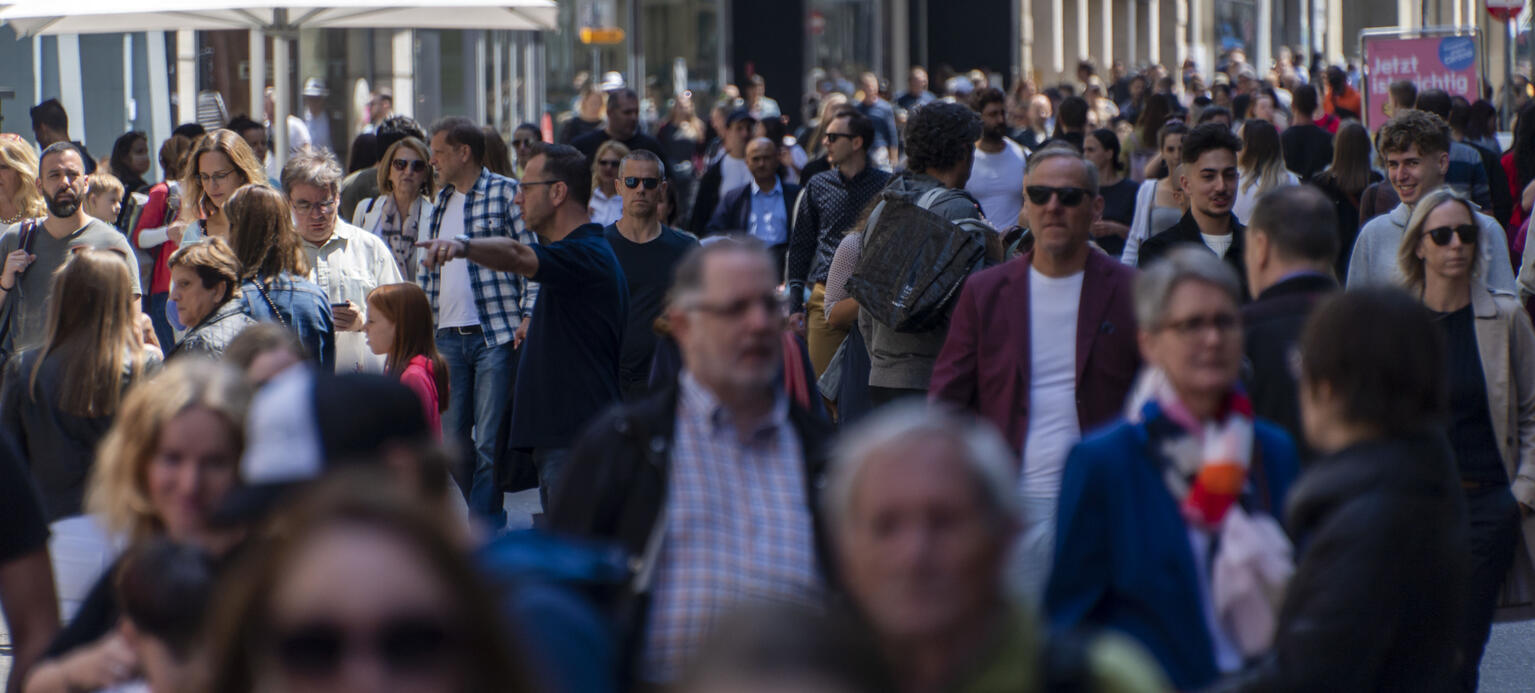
(996, 175)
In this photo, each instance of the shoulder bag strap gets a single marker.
(261, 287)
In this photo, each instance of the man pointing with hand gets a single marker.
(569, 368)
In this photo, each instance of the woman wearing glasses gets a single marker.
(405, 179)
(219, 164)
(606, 206)
(1491, 425)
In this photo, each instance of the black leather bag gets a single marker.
(914, 262)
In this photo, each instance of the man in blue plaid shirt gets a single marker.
(482, 315)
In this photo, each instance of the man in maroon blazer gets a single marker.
(1044, 346)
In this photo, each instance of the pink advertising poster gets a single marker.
(1440, 62)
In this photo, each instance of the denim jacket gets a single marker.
(298, 304)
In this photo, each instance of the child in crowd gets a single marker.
(399, 328)
(103, 196)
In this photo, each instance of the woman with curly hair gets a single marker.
(19, 197)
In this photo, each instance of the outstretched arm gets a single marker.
(499, 254)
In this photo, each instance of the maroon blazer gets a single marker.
(984, 364)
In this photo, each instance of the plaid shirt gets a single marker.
(502, 298)
(738, 527)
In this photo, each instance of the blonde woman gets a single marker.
(1260, 168)
(396, 215)
(164, 466)
(60, 398)
(19, 198)
(1491, 431)
(220, 163)
(606, 206)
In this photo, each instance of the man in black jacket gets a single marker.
(762, 207)
(1210, 178)
(1291, 246)
(721, 469)
(726, 173)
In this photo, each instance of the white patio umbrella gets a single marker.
(280, 19)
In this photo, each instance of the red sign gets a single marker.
(816, 23)
(1505, 10)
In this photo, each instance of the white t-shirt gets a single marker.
(996, 180)
(455, 302)
(1053, 425)
(733, 174)
(1219, 244)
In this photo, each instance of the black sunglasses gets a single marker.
(834, 136)
(1041, 194)
(404, 645)
(635, 182)
(609, 163)
(523, 142)
(1441, 235)
(416, 165)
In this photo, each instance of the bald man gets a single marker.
(760, 208)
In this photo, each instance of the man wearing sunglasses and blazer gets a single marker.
(760, 208)
(1044, 346)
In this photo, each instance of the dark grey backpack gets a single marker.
(914, 261)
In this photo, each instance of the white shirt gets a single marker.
(1053, 425)
(1219, 244)
(351, 264)
(733, 174)
(456, 307)
(996, 180)
(605, 210)
(1247, 195)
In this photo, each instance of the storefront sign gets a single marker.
(1448, 63)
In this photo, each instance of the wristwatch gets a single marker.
(465, 239)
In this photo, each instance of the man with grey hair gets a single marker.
(346, 261)
(923, 511)
(1043, 393)
(714, 479)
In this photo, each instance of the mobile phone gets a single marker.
(339, 304)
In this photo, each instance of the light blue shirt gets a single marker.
(769, 220)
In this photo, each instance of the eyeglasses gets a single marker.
(305, 208)
(1441, 235)
(1188, 327)
(404, 645)
(635, 181)
(206, 178)
(735, 310)
(416, 165)
(609, 163)
(834, 136)
(1041, 194)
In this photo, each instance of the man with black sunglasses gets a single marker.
(1044, 346)
(1209, 178)
(759, 208)
(648, 251)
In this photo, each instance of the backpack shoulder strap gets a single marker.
(929, 198)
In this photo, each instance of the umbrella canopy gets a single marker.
(46, 17)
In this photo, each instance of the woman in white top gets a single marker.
(606, 206)
(405, 179)
(1260, 168)
(1159, 204)
(19, 197)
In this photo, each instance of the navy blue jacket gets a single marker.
(734, 212)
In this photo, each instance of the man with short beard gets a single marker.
(62, 180)
(1209, 175)
(996, 175)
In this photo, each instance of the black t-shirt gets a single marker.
(1307, 149)
(568, 371)
(648, 270)
(1471, 433)
(23, 528)
(1119, 201)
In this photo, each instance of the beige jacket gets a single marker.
(1506, 343)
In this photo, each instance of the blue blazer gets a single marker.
(734, 212)
(1122, 553)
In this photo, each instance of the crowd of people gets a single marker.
(1127, 384)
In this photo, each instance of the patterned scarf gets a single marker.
(400, 231)
(1209, 463)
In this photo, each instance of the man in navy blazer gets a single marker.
(762, 207)
(1044, 346)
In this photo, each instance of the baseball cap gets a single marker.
(738, 115)
(314, 86)
(304, 424)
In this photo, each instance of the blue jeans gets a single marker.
(480, 393)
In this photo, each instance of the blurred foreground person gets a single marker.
(1166, 529)
(359, 589)
(1380, 590)
(923, 507)
(165, 590)
(28, 600)
(263, 351)
(778, 650)
(1491, 369)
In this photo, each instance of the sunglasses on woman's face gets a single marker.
(635, 182)
(416, 165)
(406, 645)
(1441, 235)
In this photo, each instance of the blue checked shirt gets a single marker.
(501, 298)
(738, 527)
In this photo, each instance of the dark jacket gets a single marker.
(734, 211)
(1186, 231)
(1273, 324)
(707, 198)
(623, 462)
(1347, 208)
(211, 336)
(1380, 586)
(984, 364)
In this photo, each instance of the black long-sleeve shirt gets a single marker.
(829, 205)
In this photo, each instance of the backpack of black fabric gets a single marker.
(914, 261)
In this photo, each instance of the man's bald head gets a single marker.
(762, 161)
